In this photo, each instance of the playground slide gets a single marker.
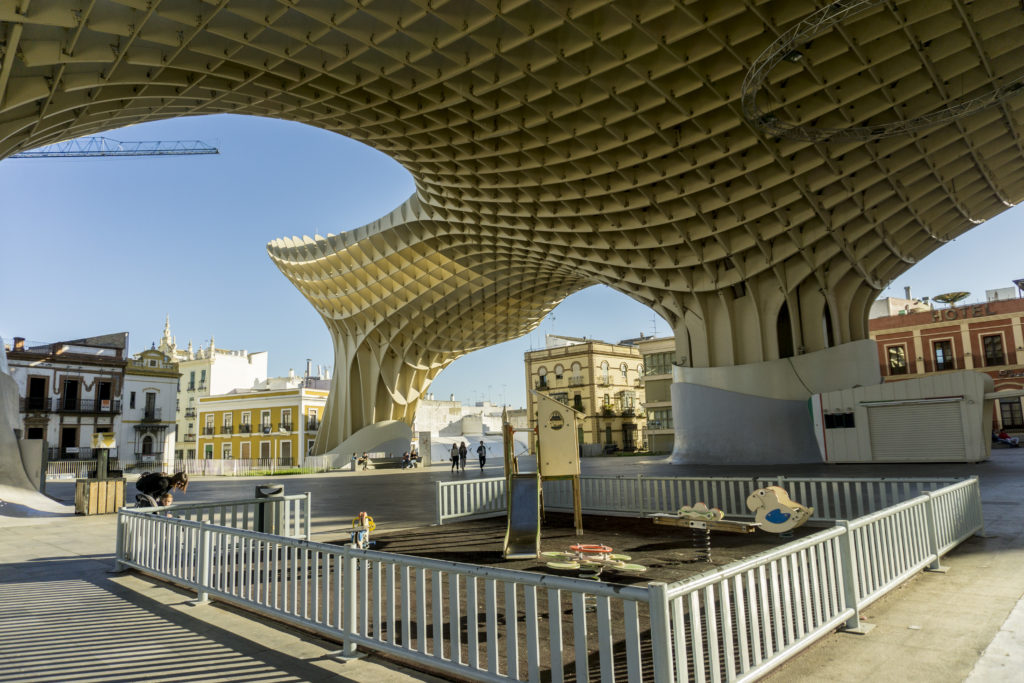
(522, 538)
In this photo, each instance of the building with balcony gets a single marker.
(206, 371)
(147, 435)
(70, 390)
(658, 354)
(986, 336)
(277, 420)
(601, 380)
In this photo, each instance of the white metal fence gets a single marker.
(831, 498)
(732, 623)
(73, 469)
(250, 467)
(287, 515)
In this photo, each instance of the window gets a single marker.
(209, 421)
(558, 372)
(243, 450)
(659, 418)
(993, 344)
(208, 451)
(227, 419)
(897, 360)
(246, 418)
(577, 402)
(286, 419)
(943, 355)
(608, 434)
(561, 397)
(286, 452)
(309, 447)
(542, 380)
(192, 379)
(605, 379)
(265, 450)
(658, 363)
(225, 452)
(191, 454)
(265, 420)
(131, 400)
(202, 378)
(1010, 413)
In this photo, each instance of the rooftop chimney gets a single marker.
(906, 291)
(19, 343)
(309, 367)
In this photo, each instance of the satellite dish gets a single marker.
(950, 297)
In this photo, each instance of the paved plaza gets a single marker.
(64, 617)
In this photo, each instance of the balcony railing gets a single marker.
(202, 386)
(70, 453)
(39, 404)
(109, 406)
(244, 428)
(207, 431)
(541, 385)
(190, 412)
(153, 415)
(227, 429)
(265, 428)
(191, 387)
(576, 381)
(286, 426)
(312, 425)
(190, 437)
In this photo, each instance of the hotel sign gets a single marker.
(975, 311)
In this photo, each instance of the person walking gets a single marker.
(455, 457)
(462, 455)
(481, 452)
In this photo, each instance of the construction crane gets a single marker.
(106, 147)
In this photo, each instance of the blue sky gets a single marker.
(93, 246)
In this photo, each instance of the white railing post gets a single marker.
(661, 632)
(204, 565)
(349, 602)
(640, 495)
(976, 498)
(438, 502)
(307, 514)
(848, 567)
(933, 535)
(121, 521)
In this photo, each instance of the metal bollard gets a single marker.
(270, 515)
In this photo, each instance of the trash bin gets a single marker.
(270, 515)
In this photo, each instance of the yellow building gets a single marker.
(264, 424)
(599, 379)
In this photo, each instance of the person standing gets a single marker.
(481, 452)
(462, 455)
(455, 457)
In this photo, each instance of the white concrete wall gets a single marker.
(715, 426)
(793, 378)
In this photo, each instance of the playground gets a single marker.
(669, 554)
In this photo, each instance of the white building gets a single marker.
(208, 371)
(70, 390)
(148, 404)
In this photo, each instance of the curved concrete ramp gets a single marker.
(18, 497)
(390, 436)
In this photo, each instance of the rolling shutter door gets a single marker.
(911, 431)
